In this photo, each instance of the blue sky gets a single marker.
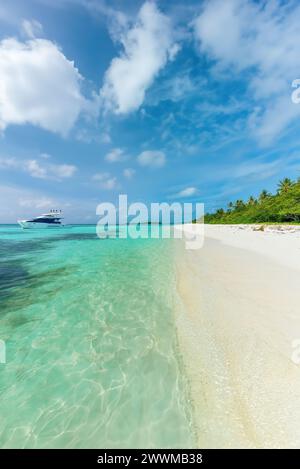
(183, 100)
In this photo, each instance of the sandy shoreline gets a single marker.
(237, 317)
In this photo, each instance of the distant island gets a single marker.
(281, 207)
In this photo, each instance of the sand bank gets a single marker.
(238, 315)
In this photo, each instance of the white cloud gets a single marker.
(175, 88)
(92, 135)
(261, 39)
(110, 183)
(173, 50)
(148, 46)
(8, 163)
(106, 180)
(155, 159)
(188, 192)
(49, 171)
(115, 155)
(129, 173)
(39, 86)
(63, 171)
(180, 87)
(31, 28)
(37, 169)
(101, 176)
(105, 137)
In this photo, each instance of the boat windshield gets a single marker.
(46, 220)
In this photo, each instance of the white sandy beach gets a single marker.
(238, 316)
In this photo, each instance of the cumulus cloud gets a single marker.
(129, 173)
(39, 86)
(37, 169)
(147, 47)
(106, 180)
(49, 171)
(115, 155)
(154, 159)
(260, 39)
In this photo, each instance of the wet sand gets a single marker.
(238, 315)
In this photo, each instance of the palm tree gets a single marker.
(251, 200)
(239, 204)
(263, 195)
(284, 185)
(230, 207)
(220, 212)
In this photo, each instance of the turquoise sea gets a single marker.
(91, 351)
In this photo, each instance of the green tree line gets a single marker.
(281, 207)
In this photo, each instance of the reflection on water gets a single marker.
(91, 347)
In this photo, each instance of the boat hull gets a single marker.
(38, 226)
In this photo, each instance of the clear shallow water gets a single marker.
(92, 359)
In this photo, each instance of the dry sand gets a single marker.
(238, 315)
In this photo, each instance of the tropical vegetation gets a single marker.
(281, 207)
